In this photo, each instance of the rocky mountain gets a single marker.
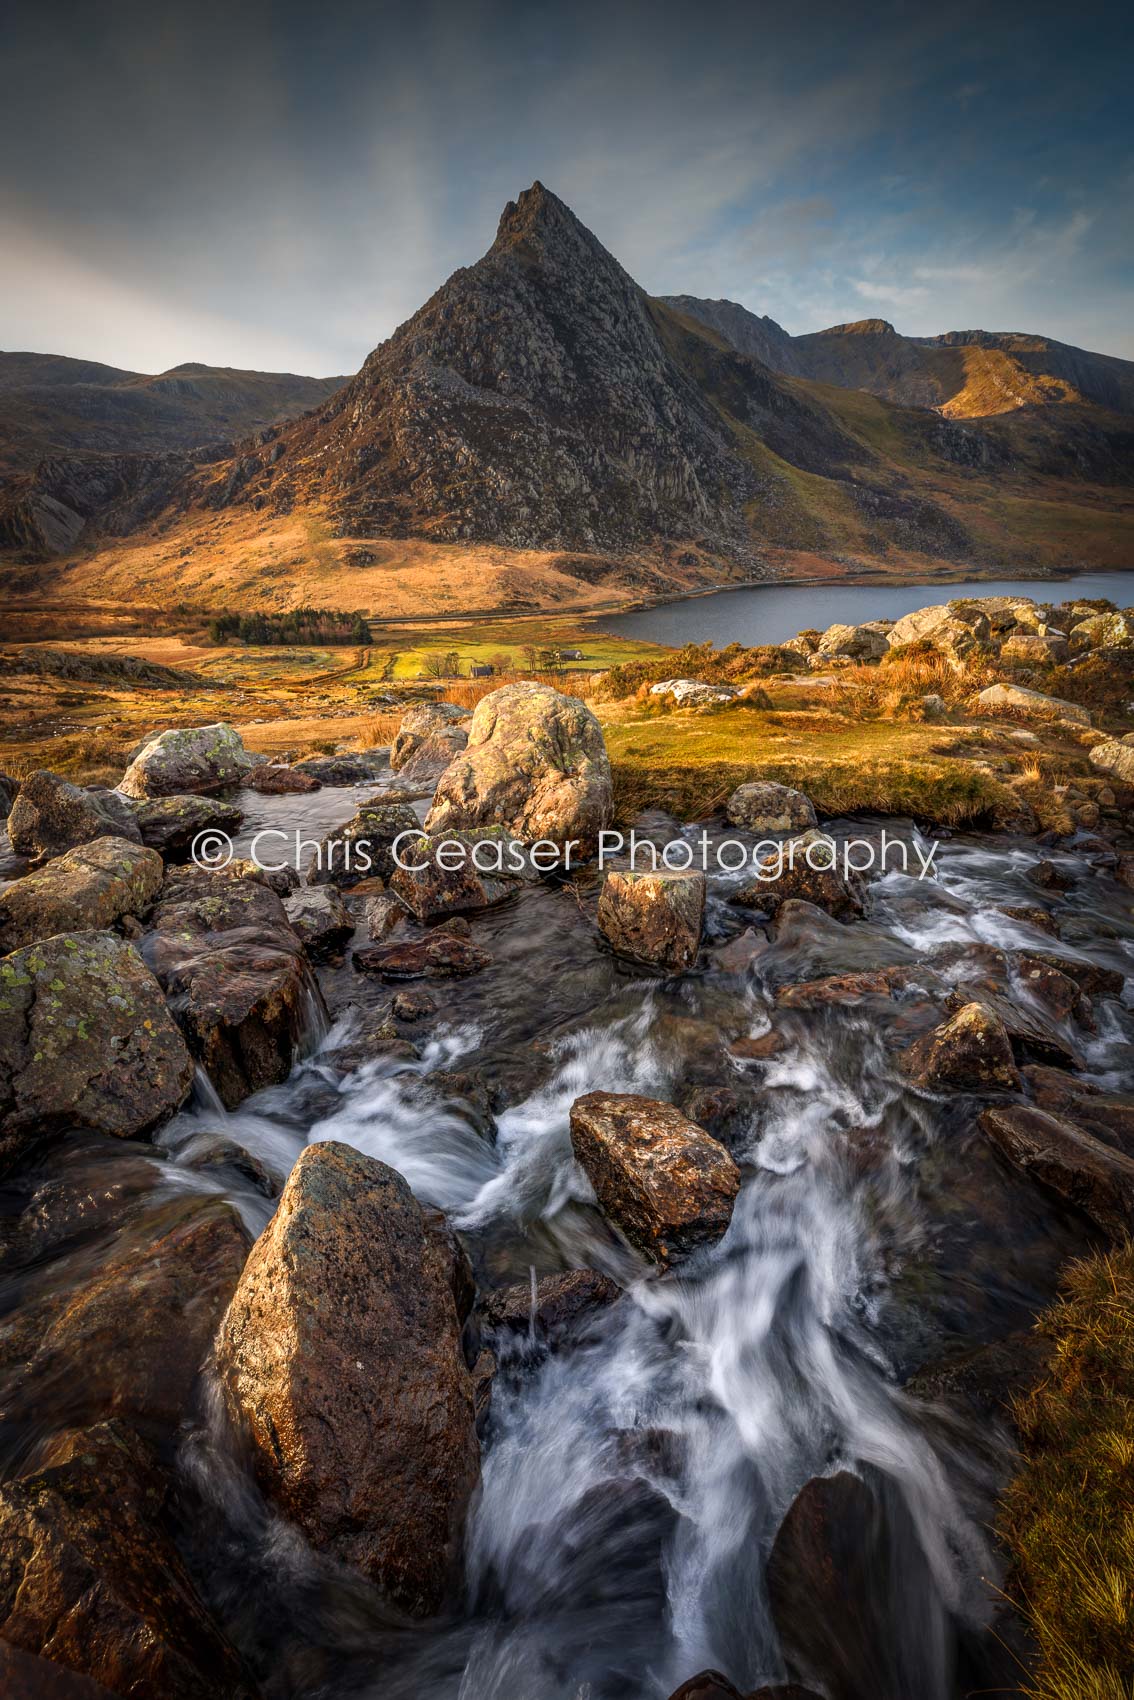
(963, 374)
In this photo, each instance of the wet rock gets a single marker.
(50, 815)
(1032, 915)
(654, 918)
(659, 1177)
(353, 769)
(1033, 1035)
(847, 988)
(440, 955)
(276, 780)
(320, 918)
(558, 1304)
(86, 1041)
(693, 693)
(88, 1185)
(340, 1358)
(209, 1155)
(1108, 1116)
(711, 1685)
(807, 869)
(711, 1107)
(236, 977)
(362, 847)
(535, 764)
(191, 759)
(385, 913)
(1033, 705)
(986, 1378)
(971, 1052)
(25, 1676)
(282, 880)
(172, 824)
(1048, 877)
(757, 1047)
(428, 739)
(447, 873)
(762, 806)
(93, 885)
(1114, 757)
(1067, 1161)
(91, 1580)
(738, 955)
(414, 1005)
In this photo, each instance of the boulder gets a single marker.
(693, 693)
(805, 869)
(361, 848)
(441, 872)
(86, 1041)
(415, 1005)
(658, 1177)
(439, 955)
(954, 628)
(50, 815)
(320, 919)
(91, 1580)
(1067, 1161)
(655, 918)
(236, 977)
(274, 779)
(92, 886)
(171, 825)
(1103, 631)
(8, 789)
(428, 739)
(1032, 650)
(282, 880)
(862, 643)
(1033, 705)
(971, 1052)
(762, 806)
(1114, 757)
(558, 1304)
(188, 759)
(535, 764)
(385, 913)
(340, 1359)
(354, 769)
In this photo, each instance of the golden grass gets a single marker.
(1069, 1513)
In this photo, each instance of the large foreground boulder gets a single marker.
(340, 1359)
(655, 918)
(188, 759)
(90, 1580)
(93, 885)
(86, 1041)
(1068, 1161)
(535, 764)
(763, 806)
(428, 739)
(172, 825)
(50, 815)
(659, 1177)
(236, 977)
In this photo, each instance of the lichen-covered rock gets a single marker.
(763, 806)
(807, 869)
(188, 759)
(654, 918)
(535, 764)
(1068, 1161)
(92, 886)
(971, 1052)
(282, 879)
(954, 628)
(236, 977)
(340, 1358)
(1033, 705)
(1114, 757)
(658, 1177)
(351, 769)
(274, 779)
(446, 873)
(362, 848)
(693, 693)
(862, 643)
(1103, 631)
(320, 918)
(90, 1580)
(171, 825)
(50, 815)
(86, 1041)
(428, 739)
(1032, 650)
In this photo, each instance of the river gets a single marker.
(772, 613)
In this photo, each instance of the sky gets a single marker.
(264, 184)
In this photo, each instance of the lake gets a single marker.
(772, 613)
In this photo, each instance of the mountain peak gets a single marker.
(539, 226)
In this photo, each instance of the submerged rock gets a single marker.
(761, 806)
(1069, 1162)
(91, 1580)
(93, 885)
(659, 1177)
(171, 824)
(971, 1052)
(535, 764)
(655, 918)
(340, 1358)
(320, 919)
(86, 1041)
(188, 759)
(439, 955)
(50, 815)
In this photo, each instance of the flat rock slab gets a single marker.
(1068, 1161)
(1033, 704)
(91, 886)
(440, 955)
(666, 1183)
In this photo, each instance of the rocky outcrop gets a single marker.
(1033, 705)
(1103, 631)
(188, 760)
(953, 628)
(971, 1052)
(693, 693)
(86, 1041)
(658, 1177)
(171, 825)
(763, 806)
(1029, 649)
(362, 848)
(806, 869)
(535, 764)
(340, 1359)
(50, 815)
(235, 975)
(320, 919)
(868, 642)
(1067, 1161)
(654, 918)
(91, 1581)
(92, 886)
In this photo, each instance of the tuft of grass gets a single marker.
(1069, 1514)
